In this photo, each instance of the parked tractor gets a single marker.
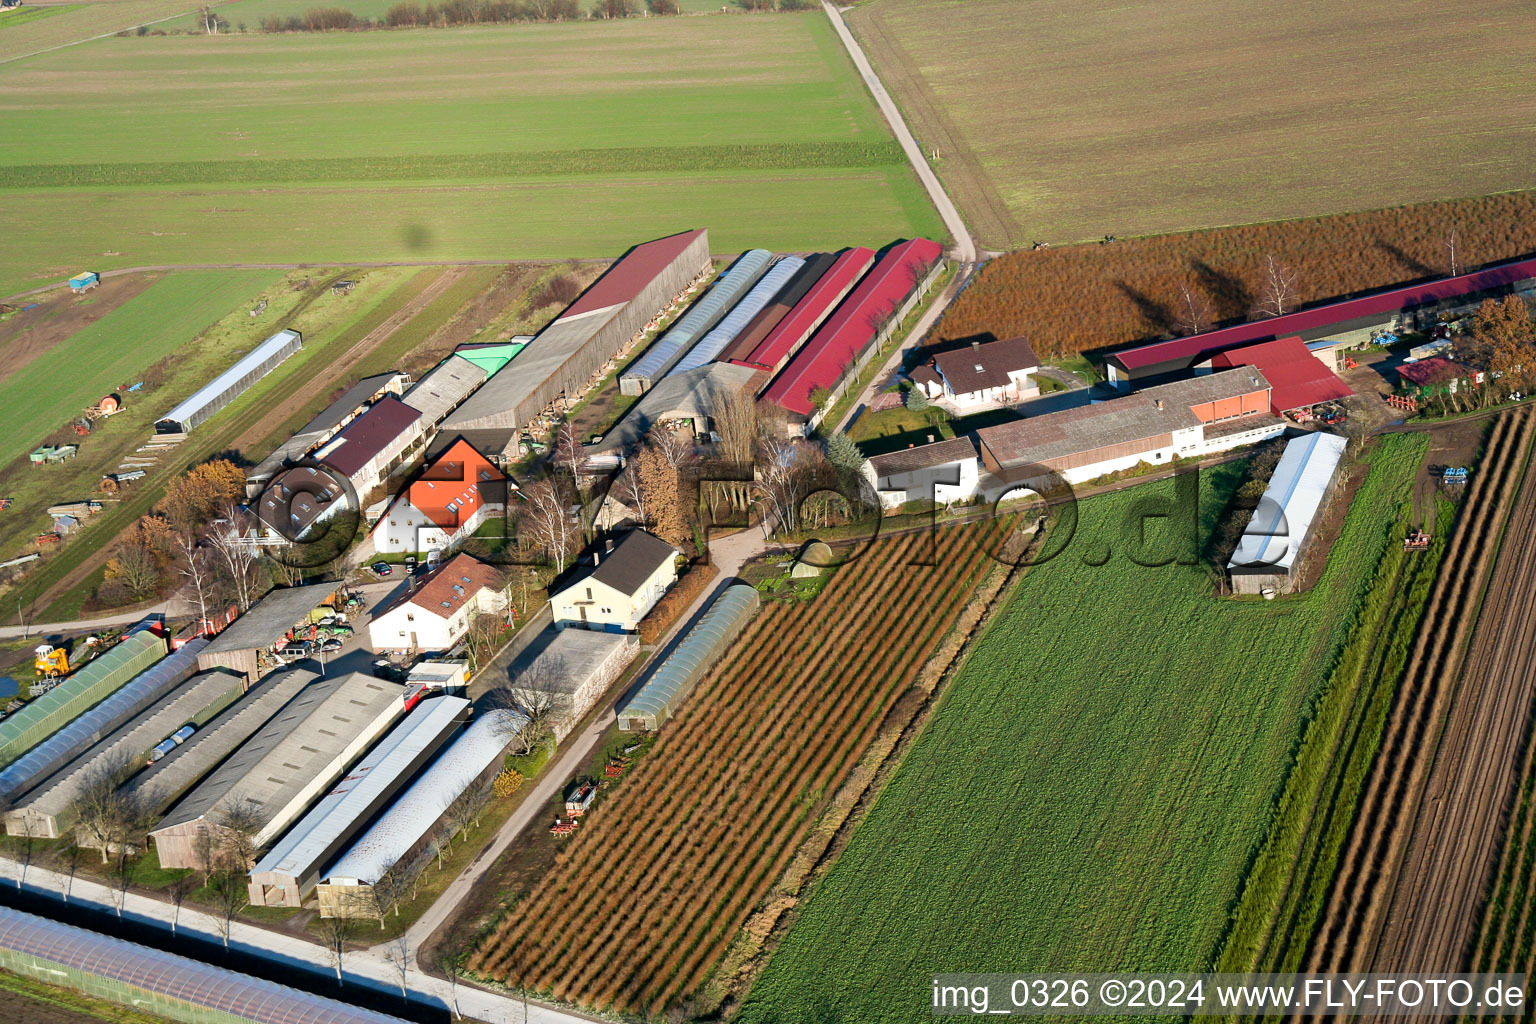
(51, 662)
(1418, 540)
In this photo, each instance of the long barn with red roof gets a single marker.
(797, 326)
(1297, 378)
(1352, 321)
(873, 308)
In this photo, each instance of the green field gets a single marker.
(116, 350)
(14, 16)
(1088, 795)
(71, 23)
(1086, 119)
(445, 144)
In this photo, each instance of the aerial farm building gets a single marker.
(434, 612)
(1297, 378)
(491, 356)
(295, 502)
(570, 669)
(1350, 323)
(351, 404)
(98, 679)
(713, 344)
(692, 326)
(452, 498)
(444, 389)
(818, 302)
(865, 319)
(288, 873)
(374, 443)
(703, 645)
(981, 373)
(1188, 418)
(243, 645)
(624, 584)
(163, 783)
(572, 351)
(168, 986)
(693, 397)
(291, 760)
(1270, 550)
(88, 727)
(401, 834)
(815, 267)
(48, 808)
(230, 384)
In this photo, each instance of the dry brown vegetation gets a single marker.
(1089, 297)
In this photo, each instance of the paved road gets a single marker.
(175, 606)
(965, 246)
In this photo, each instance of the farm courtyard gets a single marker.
(492, 143)
(1063, 121)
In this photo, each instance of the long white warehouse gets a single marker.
(1269, 552)
(230, 384)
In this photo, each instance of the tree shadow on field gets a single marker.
(1232, 297)
(1157, 316)
(1408, 261)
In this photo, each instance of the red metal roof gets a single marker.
(792, 331)
(846, 332)
(1435, 370)
(1297, 377)
(633, 271)
(369, 434)
(1200, 347)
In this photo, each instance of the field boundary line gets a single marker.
(108, 35)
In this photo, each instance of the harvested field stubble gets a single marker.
(1088, 297)
(640, 908)
(1351, 926)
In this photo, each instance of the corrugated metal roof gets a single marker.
(745, 343)
(299, 851)
(369, 434)
(444, 387)
(658, 698)
(715, 342)
(246, 363)
(847, 332)
(632, 273)
(269, 618)
(677, 343)
(1280, 524)
(175, 977)
(418, 809)
(687, 395)
(43, 716)
(1296, 376)
(122, 704)
(817, 304)
(1200, 347)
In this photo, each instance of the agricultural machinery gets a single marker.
(1418, 540)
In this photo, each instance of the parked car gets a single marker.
(297, 649)
(330, 645)
(382, 568)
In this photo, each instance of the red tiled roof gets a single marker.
(1297, 376)
(455, 477)
(369, 434)
(846, 333)
(1203, 346)
(447, 589)
(633, 271)
(792, 331)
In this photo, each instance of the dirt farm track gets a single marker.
(1421, 855)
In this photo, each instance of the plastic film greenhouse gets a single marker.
(692, 325)
(160, 983)
(716, 341)
(665, 690)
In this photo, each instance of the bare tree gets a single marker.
(399, 956)
(70, 857)
(1277, 289)
(1195, 313)
(547, 521)
(180, 886)
(533, 694)
(203, 850)
(1453, 245)
(229, 893)
(239, 822)
(737, 422)
(237, 558)
(28, 844)
(99, 809)
(781, 481)
(568, 456)
(195, 568)
(674, 445)
(452, 966)
(628, 489)
(335, 932)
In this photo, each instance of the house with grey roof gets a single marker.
(943, 472)
(983, 373)
(626, 580)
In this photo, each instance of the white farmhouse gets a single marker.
(626, 582)
(943, 472)
(453, 497)
(986, 373)
(435, 615)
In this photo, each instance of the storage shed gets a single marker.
(1270, 550)
(242, 646)
(159, 983)
(694, 324)
(760, 326)
(402, 833)
(571, 666)
(569, 353)
(288, 873)
(444, 388)
(661, 694)
(714, 344)
(47, 809)
(813, 307)
(122, 704)
(101, 677)
(230, 384)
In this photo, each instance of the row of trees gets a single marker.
(1078, 298)
(446, 13)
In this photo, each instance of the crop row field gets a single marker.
(1090, 792)
(1081, 120)
(472, 143)
(33, 29)
(640, 908)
